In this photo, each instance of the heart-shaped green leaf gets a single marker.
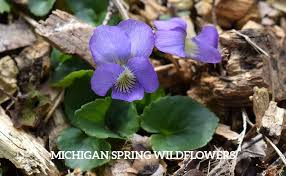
(40, 7)
(78, 94)
(73, 139)
(105, 118)
(67, 68)
(92, 11)
(96, 5)
(4, 6)
(179, 122)
(68, 79)
(58, 57)
(148, 98)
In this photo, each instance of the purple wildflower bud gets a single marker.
(171, 37)
(121, 54)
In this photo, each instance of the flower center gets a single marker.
(125, 81)
(190, 47)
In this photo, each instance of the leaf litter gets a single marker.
(246, 90)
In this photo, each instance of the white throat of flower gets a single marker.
(125, 81)
(190, 47)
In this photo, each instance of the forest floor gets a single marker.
(45, 69)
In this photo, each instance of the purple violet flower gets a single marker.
(171, 37)
(121, 54)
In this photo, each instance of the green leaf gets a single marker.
(149, 98)
(105, 118)
(58, 57)
(4, 6)
(88, 10)
(67, 69)
(78, 94)
(68, 80)
(73, 139)
(40, 7)
(179, 124)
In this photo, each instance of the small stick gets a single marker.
(29, 20)
(240, 140)
(56, 103)
(254, 45)
(110, 10)
(164, 67)
(121, 9)
(174, 61)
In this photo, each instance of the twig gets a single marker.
(23, 150)
(29, 20)
(240, 140)
(56, 103)
(174, 61)
(162, 68)
(280, 154)
(254, 45)
(121, 9)
(255, 140)
(109, 13)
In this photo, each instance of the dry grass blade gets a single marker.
(121, 9)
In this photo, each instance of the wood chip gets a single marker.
(203, 7)
(245, 68)
(146, 166)
(67, 33)
(23, 150)
(272, 122)
(233, 9)
(252, 25)
(118, 168)
(152, 10)
(279, 4)
(182, 5)
(228, 12)
(15, 35)
(34, 64)
(226, 132)
(261, 101)
(8, 77)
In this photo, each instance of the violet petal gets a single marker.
(203, 52)
(208, 35)
(171, 41)
(141, 37)
(144, 72)
(171, 24)
(109, 44)
(136, 93)
(104, 78)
